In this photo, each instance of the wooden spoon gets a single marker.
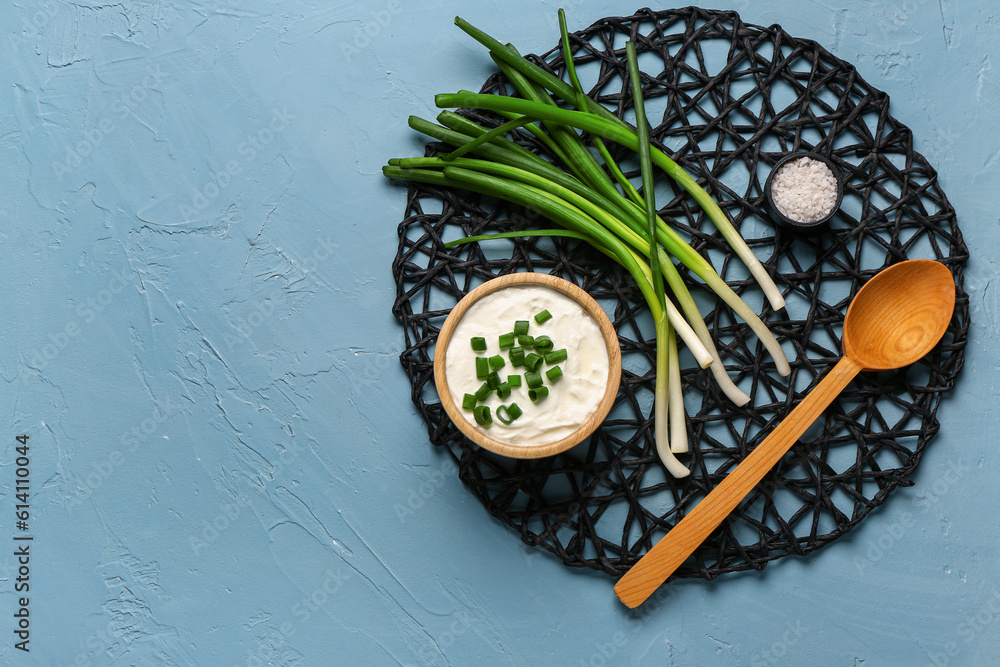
(896, 318)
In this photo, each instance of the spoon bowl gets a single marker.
(899, 315)
(896, 318)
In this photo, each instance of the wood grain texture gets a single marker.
(660, 562)
(591, 307)
(896, 318)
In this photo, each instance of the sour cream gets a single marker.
(572, 399)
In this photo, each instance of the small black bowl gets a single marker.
(799, 225)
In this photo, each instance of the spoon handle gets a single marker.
(667, 555)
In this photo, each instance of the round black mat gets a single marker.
(726, 100)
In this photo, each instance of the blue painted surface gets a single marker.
(197, 337)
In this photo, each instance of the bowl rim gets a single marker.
(590, 306)
(783, 219)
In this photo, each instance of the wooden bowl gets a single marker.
(521, 451)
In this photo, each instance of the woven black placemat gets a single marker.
(726, 100)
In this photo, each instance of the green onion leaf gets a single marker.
(514, 380)
(506, 340)
(478, 344)
(469, 401)
(482, 368)
(553, 373)
(531, 70)
(527, 233)
(489, 136)
(543, 317)
(496, 361)
(543, 344)
(521, 327)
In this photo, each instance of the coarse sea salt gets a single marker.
(804, 190)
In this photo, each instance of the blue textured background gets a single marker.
(196, 248)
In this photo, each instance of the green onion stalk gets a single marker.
(665, 387)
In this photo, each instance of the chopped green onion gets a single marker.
(521, 327)
(526, 341)
(493, 380)
(553, 373)
(503, 390)
(534, 361)
(478, 343)
(483, 392)
(482, 368)
(543, 344)
(506, 340)
(482, 415)
(469, 401)
(496, 361)
(537, 394)
(556, 356)
(508, 414)
(514, 380)
(516, 356)
(524, 233)
(543, 317)
(533, 379)
(529, 69)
